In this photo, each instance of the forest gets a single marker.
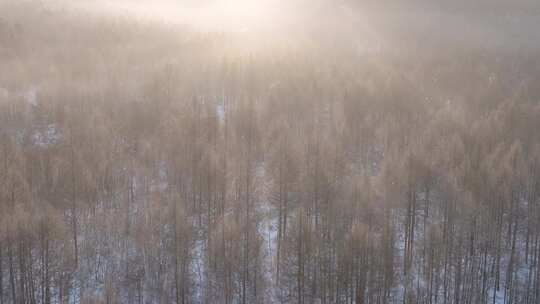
(143, 161)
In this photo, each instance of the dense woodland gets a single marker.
(144, 163)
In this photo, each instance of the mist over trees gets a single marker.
(148, 163)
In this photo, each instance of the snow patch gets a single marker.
(220, 112)
(30, 96)
(47, 136)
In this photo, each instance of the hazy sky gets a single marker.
(480, 23)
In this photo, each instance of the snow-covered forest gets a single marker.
(147, 162)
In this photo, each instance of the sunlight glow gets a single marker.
(252, 25)
(213, 15)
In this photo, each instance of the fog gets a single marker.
(269, 151)
(482, 23)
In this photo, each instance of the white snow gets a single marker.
(198, 268)
(30, 95)
(220, 111)
(46, 136)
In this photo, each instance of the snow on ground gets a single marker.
(220, 111)
(268, 229)
(47, 136)
(198, 268)
(30, 96)
(160, 183)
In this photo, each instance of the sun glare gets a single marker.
(213, 15)
(242, 15)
